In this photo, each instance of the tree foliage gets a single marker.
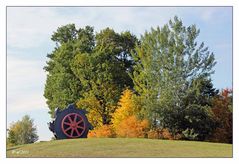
(170, 66)
(132, 127)
(85, 65)
(193, 115)
(222, 115)
(104, 72)
(62, 86)
(102, 132)
(126, 107)
(22, 132)
(167, 73)
(125, 121)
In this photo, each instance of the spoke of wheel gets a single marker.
(67, 129)
(80, 127)
(69, 118)
(72, 131)
(79, 122)
(67, 123)
(75, 118)
(78, 134)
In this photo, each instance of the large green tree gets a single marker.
(86, 66)
(62, 86)
(104, 73)
(168, 61)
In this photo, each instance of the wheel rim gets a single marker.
(73, 125)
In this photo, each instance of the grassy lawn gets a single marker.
(121, 147)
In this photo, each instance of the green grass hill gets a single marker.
(120, 147)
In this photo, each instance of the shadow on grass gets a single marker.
(13, 148)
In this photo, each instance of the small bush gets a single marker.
(178, 136)
(161, 134)
(102, 132)
(153, 134)
(189, 134)
(166, 134)
(220, 135)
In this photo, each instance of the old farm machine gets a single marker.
(70, 123)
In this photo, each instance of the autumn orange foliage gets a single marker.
(102, 132)
(222, 115)
(153, 134)
(131, 127)
(161, 134)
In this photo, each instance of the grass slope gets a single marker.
(121, 147)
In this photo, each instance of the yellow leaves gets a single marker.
(93, 106)
(94, 118)
(126, 108)
(126, 97)
(125, 122)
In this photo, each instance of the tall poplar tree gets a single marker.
(167, 62)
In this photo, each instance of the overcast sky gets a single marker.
(29, 30)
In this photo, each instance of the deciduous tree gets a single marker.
(62, 86)
(125, 120)
(222, 115)
(167, 62)
(22, 132)
(104, 72)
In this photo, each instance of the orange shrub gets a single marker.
(153, 134)
(91, 134)
(132, 127)
(101, 132)
(166, 134)
(161, 134)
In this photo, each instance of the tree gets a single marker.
(86, 66)
(62, 86)
(104, 72)
(167, 62)
(125, 120)
(222, 115)
(22, 132)
(194, 113)
(126, 108)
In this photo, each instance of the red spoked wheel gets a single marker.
(73, 125)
